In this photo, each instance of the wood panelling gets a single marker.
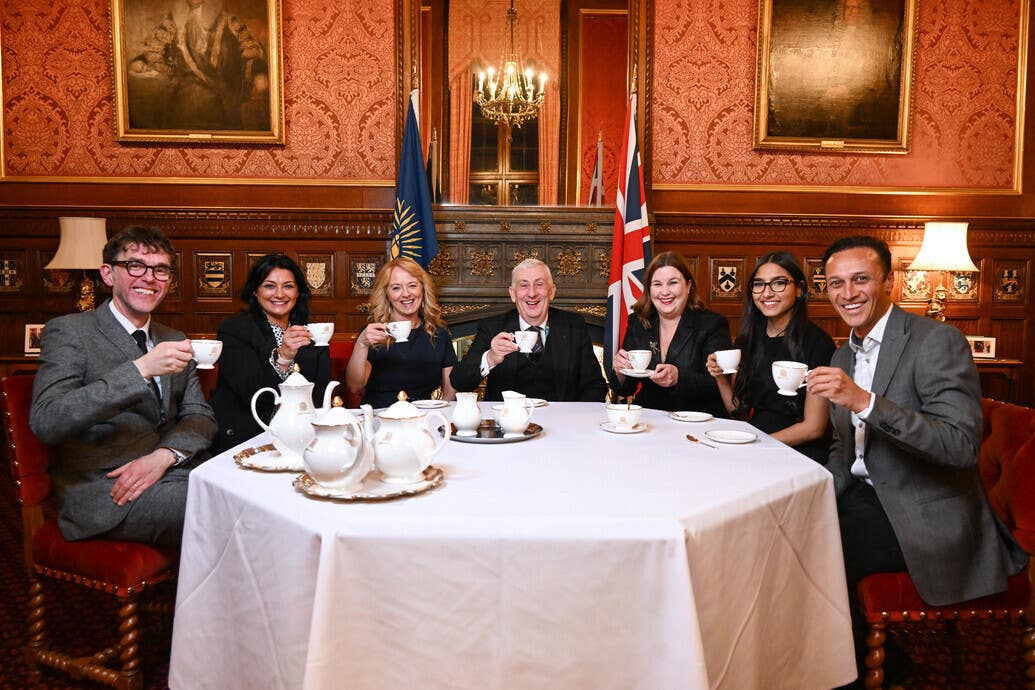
(575, 243)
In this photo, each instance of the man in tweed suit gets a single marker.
(117, 395)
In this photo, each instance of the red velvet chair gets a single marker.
(340, 352)
(124, 570)
(1007, 464)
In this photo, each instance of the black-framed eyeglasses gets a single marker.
(776, 285)
(138, 269)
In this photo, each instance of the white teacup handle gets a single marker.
(255, 414)
(445, 427)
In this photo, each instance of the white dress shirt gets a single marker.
(866, 354)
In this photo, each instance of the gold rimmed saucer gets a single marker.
(266, 458)
(373, 489)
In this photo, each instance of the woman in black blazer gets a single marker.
(670, 320)
(261, 347)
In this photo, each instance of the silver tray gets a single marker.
(373, 488)
(266, 458)
(490, 432)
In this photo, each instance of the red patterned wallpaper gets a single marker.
(339, 95)
(964, 115)
(603, 67)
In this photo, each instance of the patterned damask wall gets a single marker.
(964, 115)
(339, 94)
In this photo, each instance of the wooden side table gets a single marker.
(1010, 369)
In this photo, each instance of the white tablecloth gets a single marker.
(579, 560)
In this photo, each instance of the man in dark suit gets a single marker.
(561, 366)
(118, 396)
(906, 410)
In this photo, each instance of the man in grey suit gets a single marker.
(118, 396)
(906, 410)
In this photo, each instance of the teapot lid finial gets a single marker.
(337, 402)
(401, 409)
(298, 369)
(402, 396)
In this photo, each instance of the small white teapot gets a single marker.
(290, 428)
(403, 445)
(515, 415)
(335, 458)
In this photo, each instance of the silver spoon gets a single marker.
(696, 440)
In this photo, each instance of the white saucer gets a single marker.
(730, 436)
(205, 366)
(430, 404)
(685, 416)
(638, 374)
(639, 427)
(316, 344)
(268, 459)
(789, 394)
(729, 371)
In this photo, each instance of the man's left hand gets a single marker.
(137, 476)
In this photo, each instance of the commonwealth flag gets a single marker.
(413, 224)
(630, 245)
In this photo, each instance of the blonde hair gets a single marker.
(381, 307)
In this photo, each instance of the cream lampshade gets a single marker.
(944, 248)
(81, 247)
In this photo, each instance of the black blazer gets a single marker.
(699, 333)
(569, 344)
(244, 367)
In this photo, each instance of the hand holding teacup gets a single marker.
(665, 375)
(501, 346)
(728, 360)
(295, 337)
(834, 384)
(321, 332)
(526, 340)
(400, 330)
(373, 334)
(789, 376)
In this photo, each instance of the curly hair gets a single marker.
(152, 238)
(261, 270)
(381, 307)
(644, 307)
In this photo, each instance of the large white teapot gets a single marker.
(403, 445)
(337, 458)
(290, 428)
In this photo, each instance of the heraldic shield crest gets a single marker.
(727, 278)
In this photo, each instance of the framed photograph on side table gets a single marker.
(981, 347)
(33, 334)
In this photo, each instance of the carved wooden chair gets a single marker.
(123, 570)
(890, 600)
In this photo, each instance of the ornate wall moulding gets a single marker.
(482, 262)
(442, 265)
(569, 262)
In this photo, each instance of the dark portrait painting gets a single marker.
(189, 70)
(834, 74)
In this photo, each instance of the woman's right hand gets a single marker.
(621, 361)
(713, 366)
(373, 334)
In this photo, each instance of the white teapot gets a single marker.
(290, 428)
(336, 458)
(515, 415)
(403, 445)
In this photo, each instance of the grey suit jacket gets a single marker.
(923, 435)
(92, 404)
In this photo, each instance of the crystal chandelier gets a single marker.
(510, 96)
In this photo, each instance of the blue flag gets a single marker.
(413, 224)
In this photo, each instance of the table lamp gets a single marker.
(944, 248)
(81, 247)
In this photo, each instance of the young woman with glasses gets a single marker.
(775, 327)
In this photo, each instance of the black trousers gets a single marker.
(870, 546)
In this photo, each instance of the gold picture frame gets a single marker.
(198, 71)
(835, 75)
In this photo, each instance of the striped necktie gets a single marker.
(141, 339)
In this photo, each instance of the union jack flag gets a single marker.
(630, 246)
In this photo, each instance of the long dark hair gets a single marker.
(753, 324)
(644, 307)
(260, 271)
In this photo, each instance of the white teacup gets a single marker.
(729, 360)
(321, 332)
(206, 352)
(789, 376)
(639, 359)
(400, 330)
(525, 340)
(624, 417)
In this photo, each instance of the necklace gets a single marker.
(775, 335)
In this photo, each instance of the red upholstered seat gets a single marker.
(1007, 465)
(124, 566)
(123, 569)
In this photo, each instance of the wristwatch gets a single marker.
(181, 457)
